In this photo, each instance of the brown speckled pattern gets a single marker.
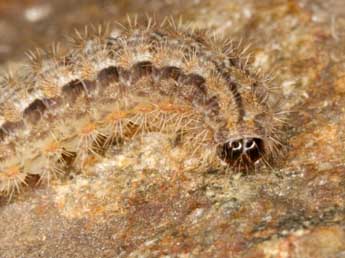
(128, 208)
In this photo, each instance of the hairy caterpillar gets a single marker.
(118, 84)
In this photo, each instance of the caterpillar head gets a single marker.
(242, 152)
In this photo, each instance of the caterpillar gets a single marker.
(117, 84)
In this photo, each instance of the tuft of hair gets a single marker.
(114, 83)
(12, 178)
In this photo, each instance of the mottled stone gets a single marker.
(295, 209)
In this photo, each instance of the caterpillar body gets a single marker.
(112, 87)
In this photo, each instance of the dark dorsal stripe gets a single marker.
(143, 68)
(124, 75)
(107, 76)
(34, 111)
(212, 106)
(9, 127)
(233, 87)
(75, 88)
(170, 72)
(140, 70)
(72, 89)
(192, 87)
(195, 80)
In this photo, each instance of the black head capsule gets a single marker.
(241, 152)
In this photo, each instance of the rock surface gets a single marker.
(140, 209)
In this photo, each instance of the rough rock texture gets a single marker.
(136, 208)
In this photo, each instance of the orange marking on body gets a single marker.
(115, 116)
(170, 107)
(52, 147)
(143, 108)
(89, 128)
(11, 172)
